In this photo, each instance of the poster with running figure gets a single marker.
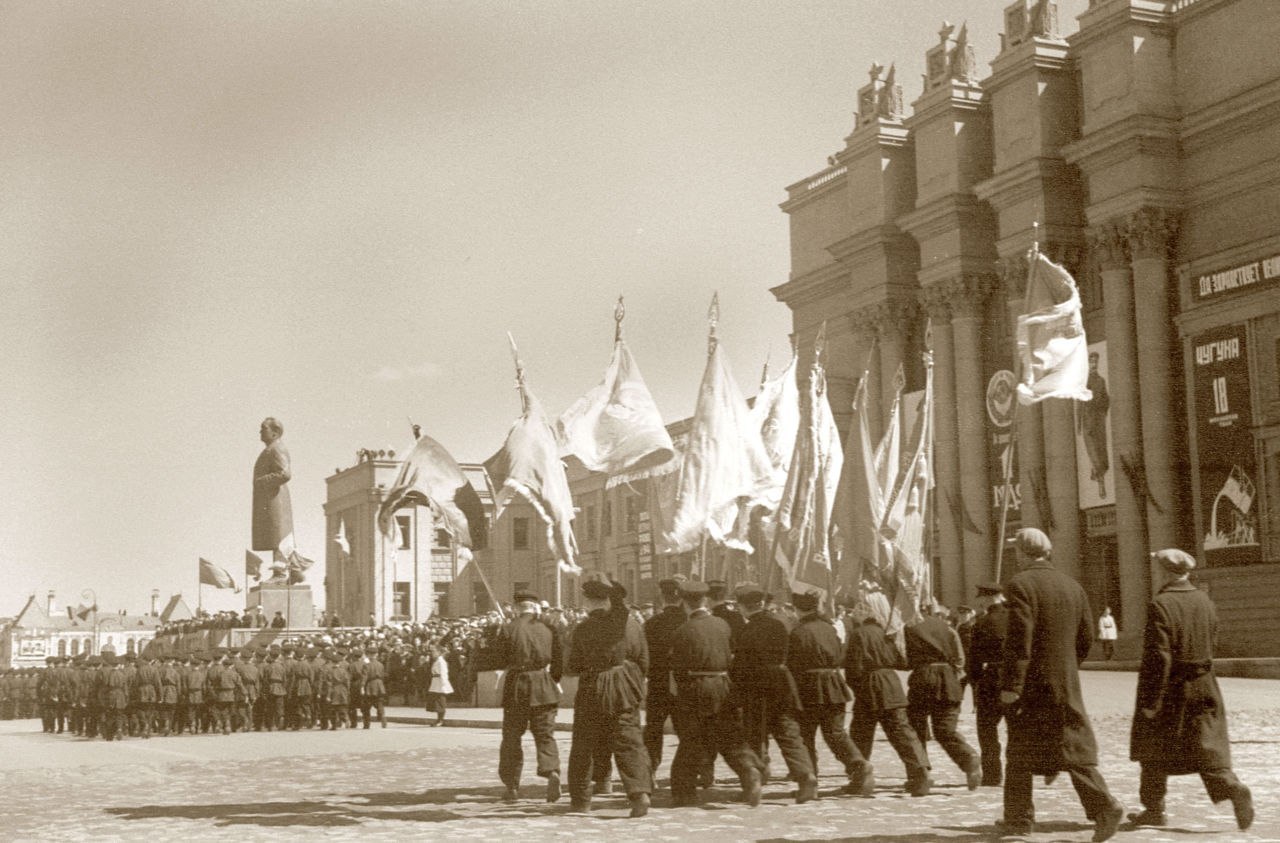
(1095, 456)
(1227, 465)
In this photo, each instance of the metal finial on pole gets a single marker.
(713, 321)
(515, 355)
(619, 313)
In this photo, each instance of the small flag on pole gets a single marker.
(211, 574)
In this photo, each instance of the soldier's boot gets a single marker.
(604, 787)
(511, 794)
(1242, 804)
(751, 788)
(553, 785)
(806, 789)
(973, 773)
(639, 805)
(1147, 817)
(1106, 825)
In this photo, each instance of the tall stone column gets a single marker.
(866, 323)
(1151, 233)
(968, 294)
(1109, 243)
(946, 455)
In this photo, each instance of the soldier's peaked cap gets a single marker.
(748, 592)
(525, 596)
(694, 588)
(597, 585)
(805, 601)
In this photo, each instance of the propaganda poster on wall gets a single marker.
(1095, 455)
(1227, 466)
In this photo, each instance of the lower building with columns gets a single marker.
(1138, 150)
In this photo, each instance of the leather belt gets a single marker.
(705, 673)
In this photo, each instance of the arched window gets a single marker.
(75, 647)
(62, 647)
(131, 645)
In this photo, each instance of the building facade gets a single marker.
(38, 631)
(1138, 152)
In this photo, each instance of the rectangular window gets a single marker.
(589, 522)
(519, 533)
(442, 538)
(400, 600)
(405, 522)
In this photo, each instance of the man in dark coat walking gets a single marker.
(934, 692)
(814, 658)
(1180, 722)
(659, 704)
(532, 661)
(766, 690)
(983, 659)
(609, 654)
(1050, 632)
(707, 719)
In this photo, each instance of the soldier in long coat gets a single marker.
(275, 687)
(986, 645)
(375, 689)
(337, 690)
(871, 662)
(659, 703)
(934, 692)
(115, 698)
(707, 717)
(767, 691)
(1050, 632)
(814, 658)
(302, 688)
(1180, 721)
(532, 663)
(170, 691)
(610, 656)
(147, 695)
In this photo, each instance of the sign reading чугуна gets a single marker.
(1262, 272)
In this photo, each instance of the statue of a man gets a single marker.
(272, 508)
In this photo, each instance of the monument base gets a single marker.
(293, 602)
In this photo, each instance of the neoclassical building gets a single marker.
(1140, 151)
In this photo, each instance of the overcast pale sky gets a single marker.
(332, 212)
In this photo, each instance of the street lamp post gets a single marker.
(155, 595)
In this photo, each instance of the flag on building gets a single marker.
(430, 476)
(528, 465)
(211, 574)
(82, 611)
(253, 565)
(1050, 333)
(341, 538)
(724, 464)
(616, 427)
(813, 479)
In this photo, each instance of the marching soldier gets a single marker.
(934, 692)
(115, 698)
(226, 687)
(610, 657)
(47, 694)
(66, 694)
(767, 691)
(356, 662)
(302, 689)
(1180, 722)
(170, 691)
(814, 658)
(985, 646)
(659, 704)
(1050, 633)
(530, 695)
(247, 694)
(375, 688)
(275, 682)
(707, 721)
(337, 688)
(718, 602)
(146, 695)
(870, 663)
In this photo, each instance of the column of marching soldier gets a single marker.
(250, 689)
(731, 680)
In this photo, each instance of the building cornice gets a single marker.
(954, 96)
(1109, 16)
(1246, 180)
(884, 238)
(1241, 114)
(947, 212)
(819, 184)
(878, 134)
(1023, 181)
(1123, 140)
(822, 283)
(1046, 55)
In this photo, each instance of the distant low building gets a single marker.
(36, 633)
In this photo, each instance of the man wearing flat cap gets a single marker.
(766, 690)
(718, 603)
(609, 654)
(814, 658)
(1050, 633)
(707, 719)
(986, 646)
(659, 704)
(530, 652)
(1180, 721)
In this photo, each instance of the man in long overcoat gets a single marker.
(659, 704)
(272, 507)
(532, 662)
(1050, 632)
(1180, 722)
(986, 647)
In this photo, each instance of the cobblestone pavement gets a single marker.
(410, 781)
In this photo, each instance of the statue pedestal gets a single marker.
(293, 602)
